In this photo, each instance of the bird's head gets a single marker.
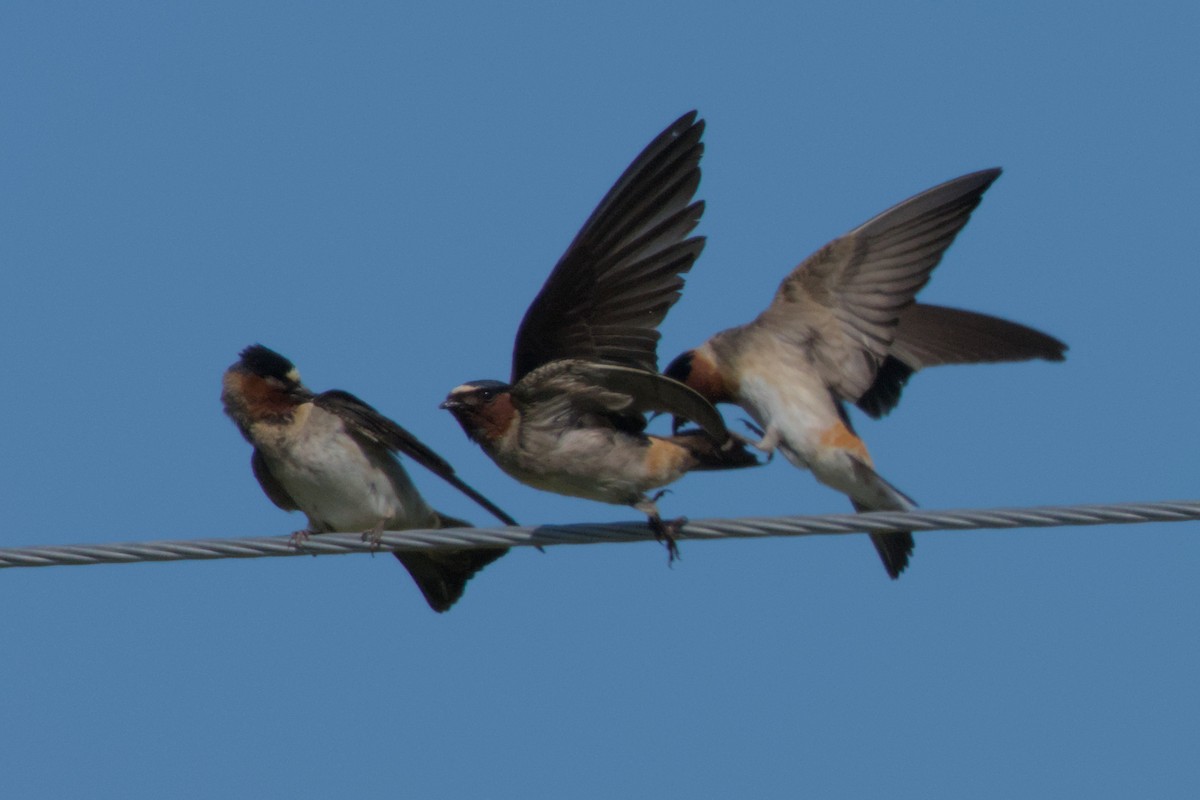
(261, 385)
(698, 370)
(484, 409)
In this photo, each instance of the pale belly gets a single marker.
(340, 488)
(797, 417)
(592, 464)
(803, 422)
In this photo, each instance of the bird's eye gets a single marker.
(486, 395)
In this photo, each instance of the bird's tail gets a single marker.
(894, 548)
(442, 575)
(710, 454)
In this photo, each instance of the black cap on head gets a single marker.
(266, 363)
(680, 368)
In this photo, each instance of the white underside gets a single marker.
(794, 422)
(342, 488)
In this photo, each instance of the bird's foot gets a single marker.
(664, 531)
(299, 538)
(374, 536)
(767, 442)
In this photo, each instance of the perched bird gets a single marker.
(843, 327)
(333, 457)
(572, 418)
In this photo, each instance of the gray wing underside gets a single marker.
(569, 388)
(621, 274)
(929, 336)
(844, 302)
(367, 423)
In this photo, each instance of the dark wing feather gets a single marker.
(571, 386)
(373, 426)
(928, 336)
(616, 281)
(843, 303)
(884, 394)
(271, 487)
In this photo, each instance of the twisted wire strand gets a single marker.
(546, 535)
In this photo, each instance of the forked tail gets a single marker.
(894, 548)
(442, 575)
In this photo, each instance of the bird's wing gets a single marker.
(929, 336)
(622, 393)
(843, 303)
(364, 421)
(616, 281)
(271, 487)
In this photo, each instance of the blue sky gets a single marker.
(378, 192)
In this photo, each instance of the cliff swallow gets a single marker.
(572, 418)
(844, 327)
(334, 457)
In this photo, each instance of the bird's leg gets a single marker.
(298, 538)
(664, 530)
(374, 535)
(767, 441)
(757, 431)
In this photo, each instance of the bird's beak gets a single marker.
(450, 404)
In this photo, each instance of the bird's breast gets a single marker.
(339, 483)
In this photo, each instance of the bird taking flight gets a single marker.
(843, 327)
(572, 417)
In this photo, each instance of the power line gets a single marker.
(547, 535)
